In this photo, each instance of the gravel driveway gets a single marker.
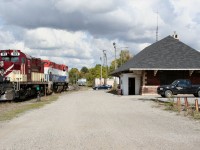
(96, 120)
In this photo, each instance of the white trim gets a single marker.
(8, 69)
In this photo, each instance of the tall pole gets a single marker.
(157, 28)
(115, 82)
(105, 64)
(101, 70)
(105, 60)
(114, 44)
(121, 56)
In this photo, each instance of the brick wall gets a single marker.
(152, 78)
(195, 78)
(149, 90)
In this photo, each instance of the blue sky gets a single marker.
(75, 32)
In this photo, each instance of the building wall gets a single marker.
(195, 77)
(103, 81)
(154, 79)
(124, 82)
(146, 82)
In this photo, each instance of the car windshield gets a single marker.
(175, 82)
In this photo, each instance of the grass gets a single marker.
(171, 105)
(17, 111)
(196, 115)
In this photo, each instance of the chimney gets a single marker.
(175, 35)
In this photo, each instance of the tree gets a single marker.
(84, 70)
(95, 73)
(73, 75)
(123, 58)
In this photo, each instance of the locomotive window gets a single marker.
(6, 58)
(15, 59)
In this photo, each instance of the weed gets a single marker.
(196, 115)
(15, 112)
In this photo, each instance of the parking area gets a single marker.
(100, 120)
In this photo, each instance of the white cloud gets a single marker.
(75, 32)
(85, 6)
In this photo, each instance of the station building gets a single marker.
(159, 64)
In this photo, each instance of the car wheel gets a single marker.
(198, 93)
(168, 93)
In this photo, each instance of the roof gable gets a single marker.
(168, 53)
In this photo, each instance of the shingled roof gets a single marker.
(166, 54)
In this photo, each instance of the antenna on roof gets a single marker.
(157, 28)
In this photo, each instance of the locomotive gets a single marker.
(23, 76)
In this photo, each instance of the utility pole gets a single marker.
(157, 28)
(105, 64)
(114, 44)
(115, 82)
(101, 70)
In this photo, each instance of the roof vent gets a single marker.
(175, 35)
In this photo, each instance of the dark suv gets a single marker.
(181, 86)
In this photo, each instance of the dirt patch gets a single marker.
(11, 109)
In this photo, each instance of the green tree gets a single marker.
(84, 70)
(95, 73)
(123, 58)
(73, 75)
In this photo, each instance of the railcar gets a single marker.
(23, 76)
(56, 74)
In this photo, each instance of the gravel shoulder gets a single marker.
(99, 120)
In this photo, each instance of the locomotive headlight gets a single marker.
(1, 63)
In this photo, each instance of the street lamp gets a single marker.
(114, 44)
(115, 82)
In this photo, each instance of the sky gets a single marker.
(75, 32)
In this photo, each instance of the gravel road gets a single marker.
(96, 120)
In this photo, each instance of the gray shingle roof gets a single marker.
(168, 53)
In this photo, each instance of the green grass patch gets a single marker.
(16, 111)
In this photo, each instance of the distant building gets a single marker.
(98, 81)
(160, 63)
(82, 82)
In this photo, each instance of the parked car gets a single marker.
(102, 87)
(181, 86)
